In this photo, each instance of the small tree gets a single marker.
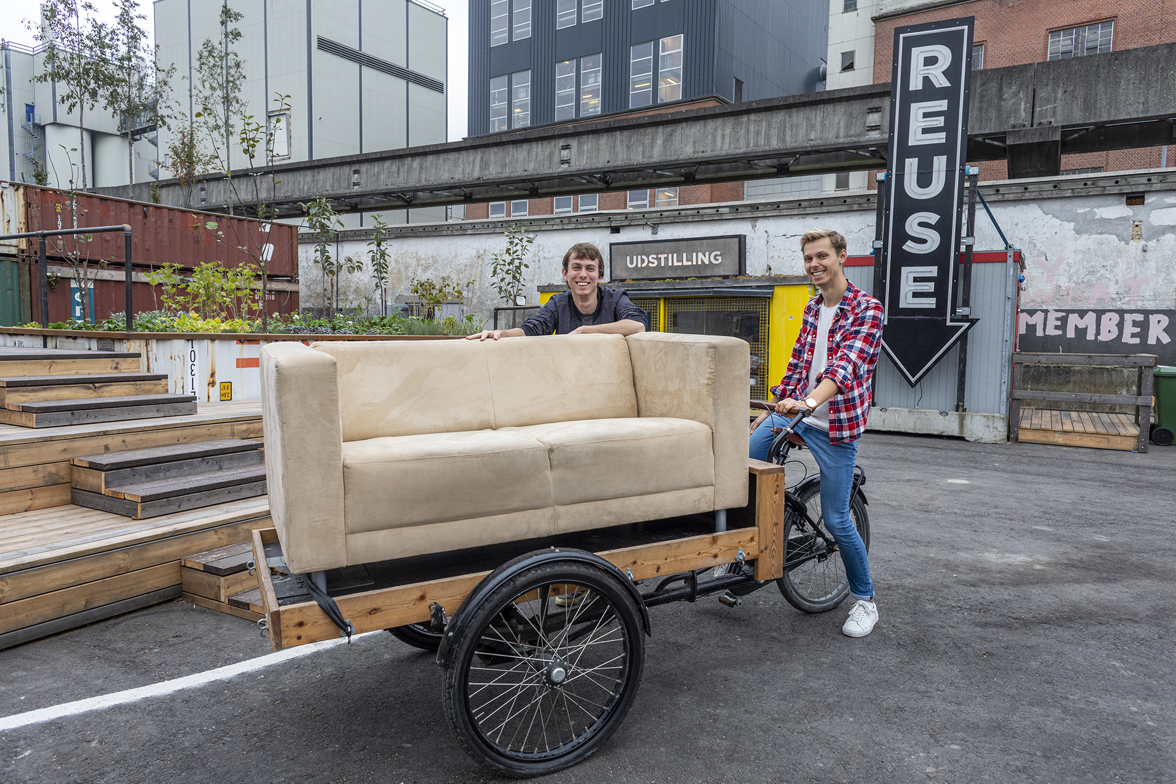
(220, 77)
(76, 45)
(323, 222)
(132, 86)
(508, 267)
(431, 293)
(379, 257)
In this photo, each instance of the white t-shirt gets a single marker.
(820, 417)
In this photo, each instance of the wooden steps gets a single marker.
(68, 567)
(55, 413)
(56, 362)
(1078, 428)
(28, 389)
(218, 578)
(150, 482)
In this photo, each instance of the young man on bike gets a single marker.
(829, 373)
(585, 308)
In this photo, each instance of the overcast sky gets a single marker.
(16, 12)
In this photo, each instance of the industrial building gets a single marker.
(360, 77)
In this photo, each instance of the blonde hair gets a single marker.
(836, 239)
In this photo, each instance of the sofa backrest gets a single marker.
(560, 378)
(399, 388)
(410, 387)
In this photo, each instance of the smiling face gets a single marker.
(823, 264)
(582, 276)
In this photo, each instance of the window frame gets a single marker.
(566, 92)
(852, 61)
(515, 100)
(514, 207)
(517, 8)
(633, 204)
(593, 199)
(634, 75)
(598, 85)
(278, 127)
(635, 4)
(557, 210)
(978, 49)
(669, 201)
(491, 210)
(849, 5)
(662, 70)
(504, 90)
(504, 32)
(568, 16)
(1049, 38)
(587, 7)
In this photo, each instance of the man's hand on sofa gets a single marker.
(622, 327)
(495, 334)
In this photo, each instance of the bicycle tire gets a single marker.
(819, 583)
(418, 635)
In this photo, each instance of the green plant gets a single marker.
(186, 160)
(508, 267)
(40, 173)
(379, 257)
(432, 293)
(324, 222)
(168, 278)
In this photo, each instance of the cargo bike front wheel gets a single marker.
(544, 667)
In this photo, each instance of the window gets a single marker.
(279, 132)
(738, 91)
(590, 85)
(841, 181)
(592, 10)
(638, 200)
(978, 57)
(850, 5)
(565, 13)
(565, 90)
(1091, 170)
(641, 75)
(667, 197)
(455, 212)
(563, 205)
(589, 202)
(1079, 41)
(497, 209)
(522, 19)
(670, 70)
(847, 61)
(520, 99)
(518, 208)
(499, 87)
(499, 24)
(641, 3)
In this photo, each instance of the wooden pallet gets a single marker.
(1078, 428)
(69, 566)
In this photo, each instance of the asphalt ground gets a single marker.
(1027, 601)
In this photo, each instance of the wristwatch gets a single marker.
(810, 402)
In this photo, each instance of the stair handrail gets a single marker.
(44, 265)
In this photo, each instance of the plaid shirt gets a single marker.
(855, 339)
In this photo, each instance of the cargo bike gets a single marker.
(541, 641)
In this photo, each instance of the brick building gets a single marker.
(1017, 32)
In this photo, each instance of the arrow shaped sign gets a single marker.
(924, 193)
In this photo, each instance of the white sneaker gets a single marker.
(862, 617)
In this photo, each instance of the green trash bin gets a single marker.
(1165, 386)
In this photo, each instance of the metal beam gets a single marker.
(1102, 102)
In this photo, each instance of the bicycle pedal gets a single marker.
(729, 599)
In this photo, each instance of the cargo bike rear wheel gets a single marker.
(544, 666)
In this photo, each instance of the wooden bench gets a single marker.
(1083, 428)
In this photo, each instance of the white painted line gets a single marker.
(167, 687)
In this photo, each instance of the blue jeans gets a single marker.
(836, 464)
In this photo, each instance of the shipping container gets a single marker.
(159, 236)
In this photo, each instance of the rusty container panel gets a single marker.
(160, 235)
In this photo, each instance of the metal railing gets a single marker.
(44, 265)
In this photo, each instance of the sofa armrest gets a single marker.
(705, 379)
(304, 454)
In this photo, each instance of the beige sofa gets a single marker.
(382, 450)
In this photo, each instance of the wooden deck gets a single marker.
(34, 464)
(1078, 428)
(68, 566)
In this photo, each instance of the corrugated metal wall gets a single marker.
(988, 346)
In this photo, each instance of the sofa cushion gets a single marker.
(560, 378)
(415, 480)
(601, 459)
(409, 387)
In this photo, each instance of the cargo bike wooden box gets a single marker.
(500, 503)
